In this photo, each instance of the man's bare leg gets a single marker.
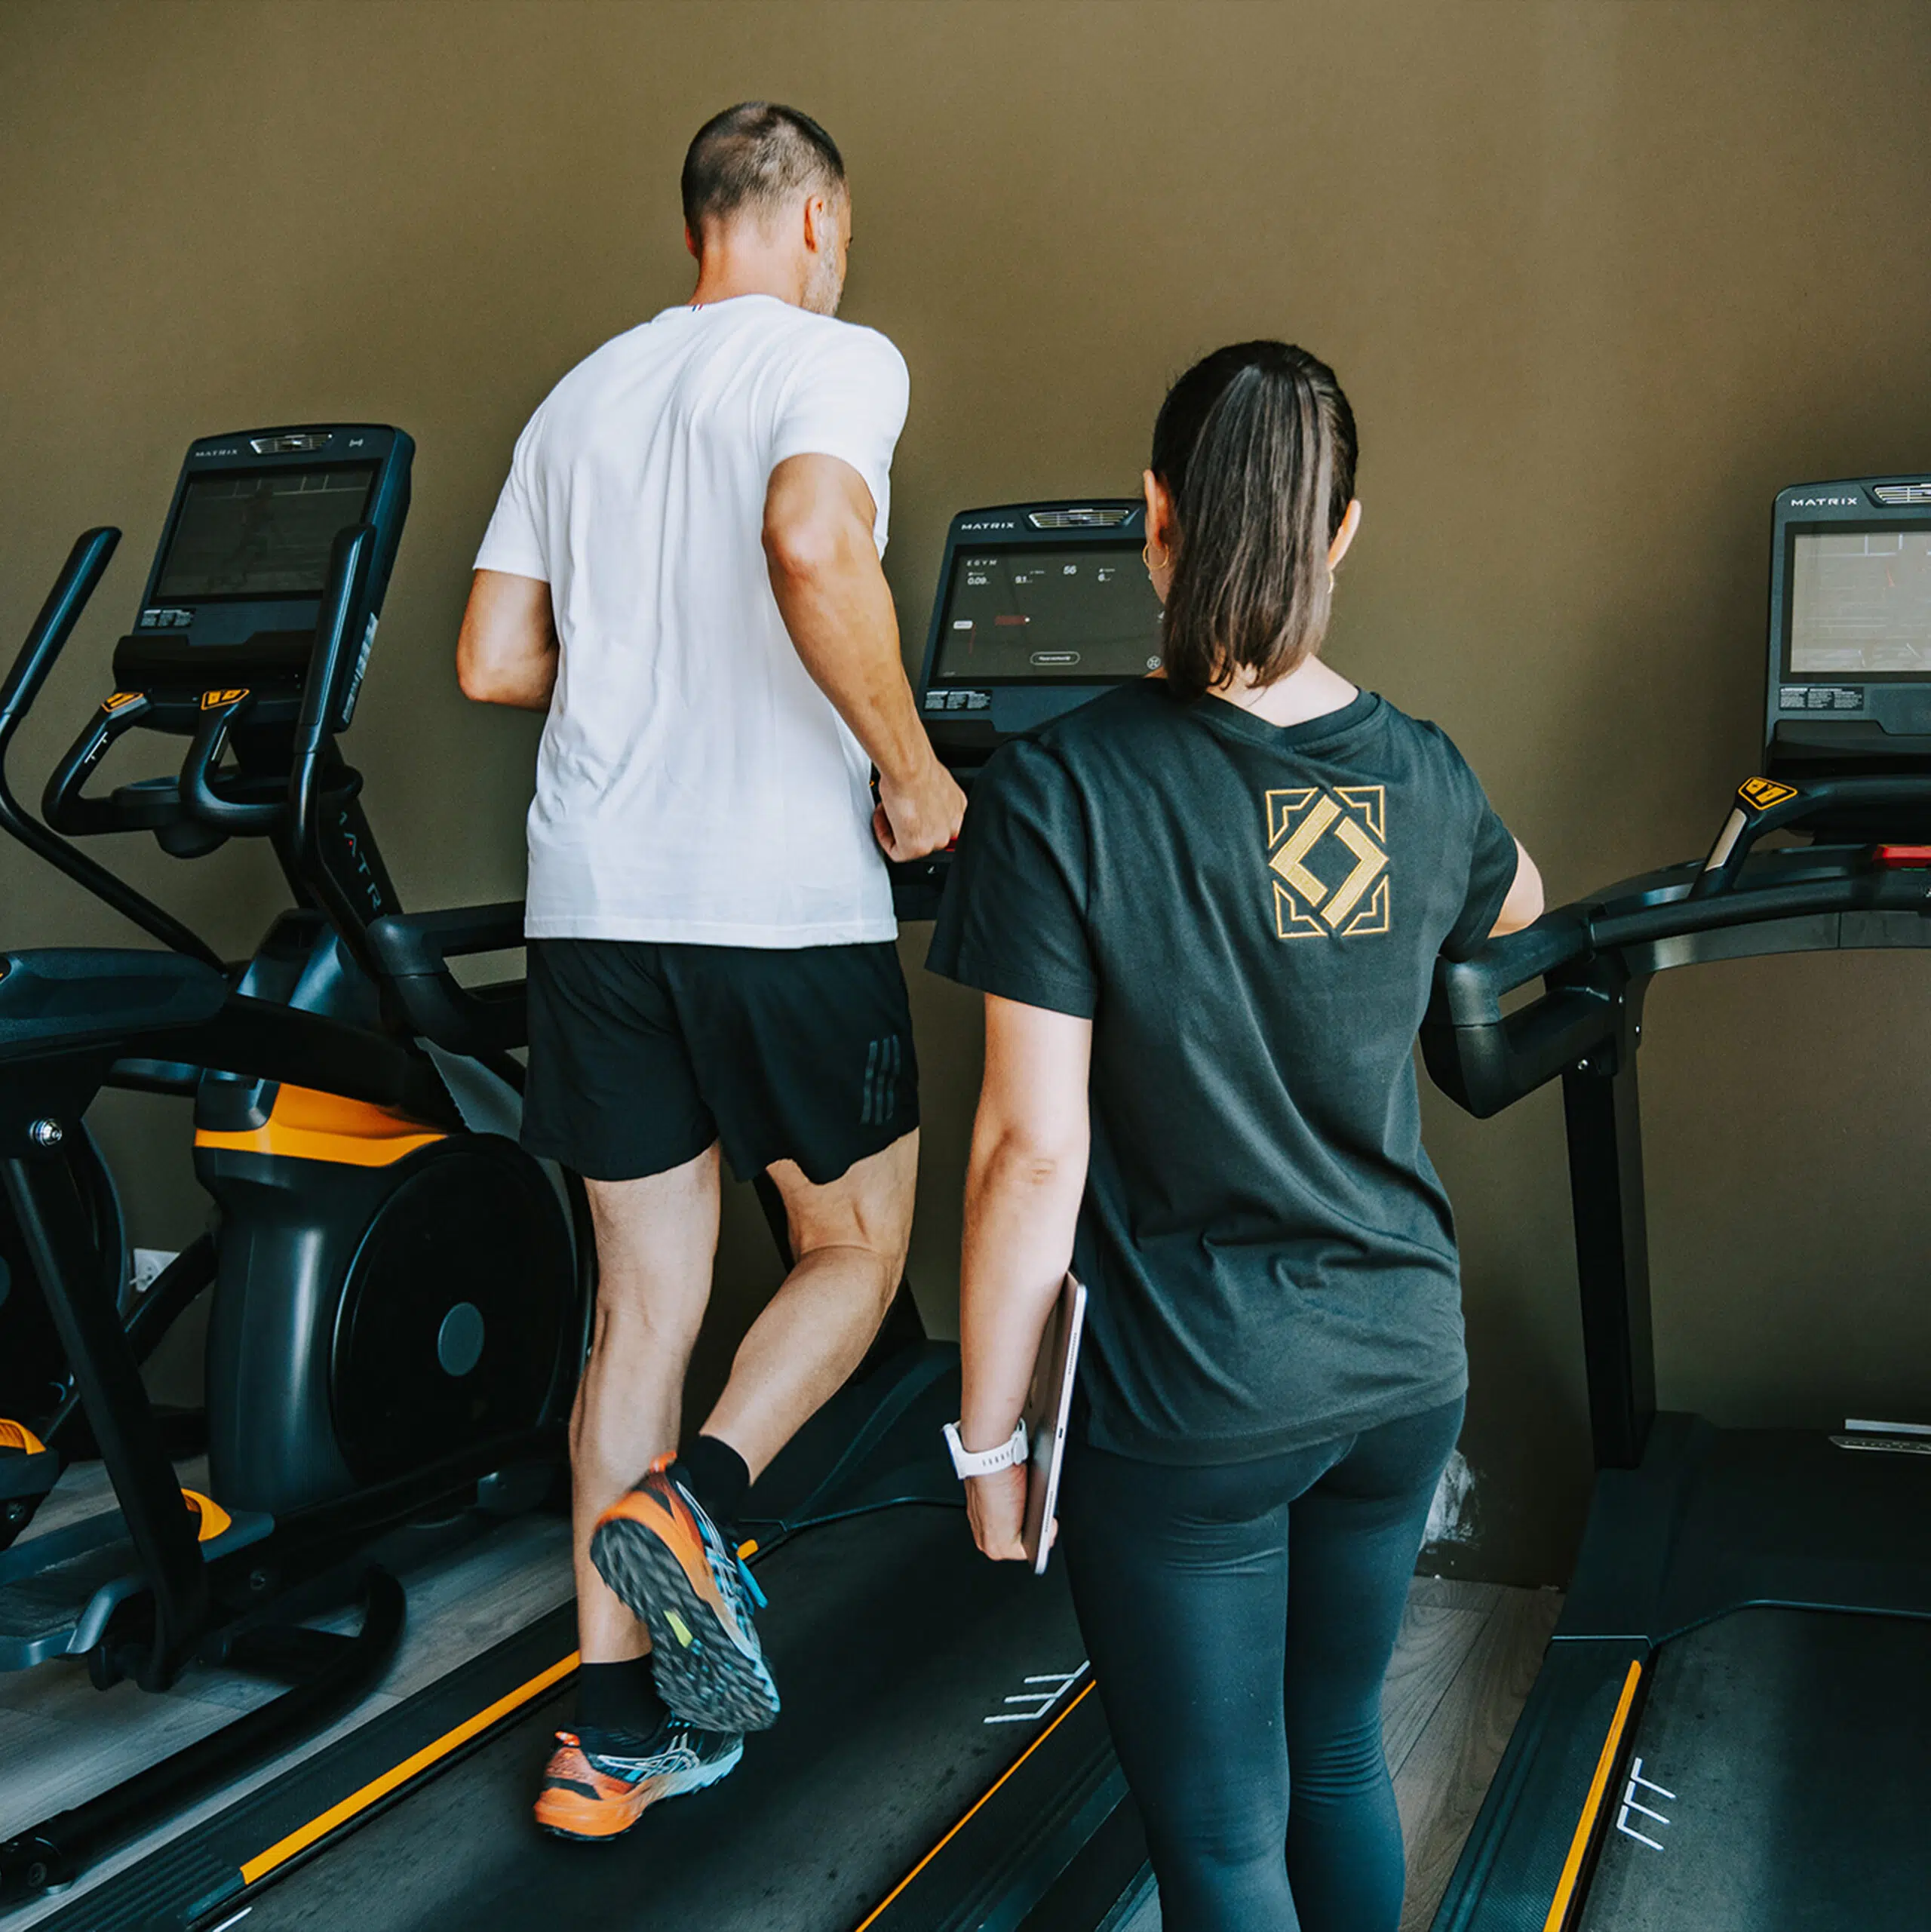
(849, 1238)
(656, 1242)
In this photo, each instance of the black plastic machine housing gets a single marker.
(1849, 684)
(239, 575)
(1040, 608)
(1706, 1547)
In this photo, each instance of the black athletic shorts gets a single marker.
(643, 1054)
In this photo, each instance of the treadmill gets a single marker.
(941, 1760)
(1732, 1726)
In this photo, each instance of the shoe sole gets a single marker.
(701, 1673)
(677, 1785)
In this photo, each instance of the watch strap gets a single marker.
(985, 1462)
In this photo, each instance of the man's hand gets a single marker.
(996, 1506)
(922, 817)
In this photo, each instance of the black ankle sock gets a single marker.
(715, 1474)
(619, 1696)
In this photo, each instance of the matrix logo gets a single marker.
(1822, 503)
(990, 523)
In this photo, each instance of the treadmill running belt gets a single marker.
(892, 1640)
(1780, 1777)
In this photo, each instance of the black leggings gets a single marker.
(1217, 1676)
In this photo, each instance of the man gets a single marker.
(683, 570)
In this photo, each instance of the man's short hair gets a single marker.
(758, 155)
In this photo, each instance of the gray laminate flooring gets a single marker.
(1467, 1655)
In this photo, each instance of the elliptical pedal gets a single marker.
(59, 1590)
(28, 1470)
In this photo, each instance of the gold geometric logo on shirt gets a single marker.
(1306, 825)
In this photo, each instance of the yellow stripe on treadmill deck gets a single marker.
(1579, 1845)
(300, 1840)
(884, 1905)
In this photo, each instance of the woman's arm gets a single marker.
(1523, 905)
(1023, 1187)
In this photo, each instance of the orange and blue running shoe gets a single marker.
(665, 1559)
(598, 1784)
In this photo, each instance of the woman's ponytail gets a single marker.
(1256, 444)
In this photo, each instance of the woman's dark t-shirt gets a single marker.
(1250, 914)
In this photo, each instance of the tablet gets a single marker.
(1048, 1408)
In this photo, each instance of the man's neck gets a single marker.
(726, 272)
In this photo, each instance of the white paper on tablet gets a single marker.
(1048, 1409)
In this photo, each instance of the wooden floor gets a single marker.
(61, 1740)
(1467, 1655)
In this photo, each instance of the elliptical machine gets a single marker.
(400, 1295)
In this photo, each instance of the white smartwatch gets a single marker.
(987, 1462)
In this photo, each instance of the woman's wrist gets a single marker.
(979, 1432)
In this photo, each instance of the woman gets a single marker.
(1205, 911)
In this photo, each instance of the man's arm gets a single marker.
(1523, 905)
(833, 598)
(506, 651)
(1023, 1189)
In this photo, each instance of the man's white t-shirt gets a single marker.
(693, 783)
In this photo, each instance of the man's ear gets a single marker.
(691, 243)
(818, 222)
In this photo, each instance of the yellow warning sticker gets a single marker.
(1762, 793)
(212, 701)
(119, 700)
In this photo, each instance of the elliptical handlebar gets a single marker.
(80, 576)
(327, 700)
(333, 668)
(198, 795)
(414, 951)
(86, 564)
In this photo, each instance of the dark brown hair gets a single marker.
(755, 153)
(1256, 446)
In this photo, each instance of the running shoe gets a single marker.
(597, 1785)
(667, 1561)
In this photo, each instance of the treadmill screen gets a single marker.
(1860, 602)
(261, 534)
(1083, 612)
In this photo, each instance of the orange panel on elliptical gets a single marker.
(305, 1124)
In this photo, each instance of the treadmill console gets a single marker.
(1040, 607)
(1849, 684)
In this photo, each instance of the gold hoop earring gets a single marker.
(1146, 558)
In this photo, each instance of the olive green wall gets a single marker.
(1599, 278)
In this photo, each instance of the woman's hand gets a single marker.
(1022, 1199)
(996, 1505)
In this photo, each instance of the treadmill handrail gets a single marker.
(1769, 805)
(1587, 953)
